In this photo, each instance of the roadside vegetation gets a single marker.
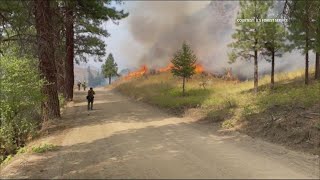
(20, 103)
(38, 49)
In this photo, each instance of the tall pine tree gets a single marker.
(110, 68)
(83, 27)
(184, 61)
(47, 67)
(248, 35)
(274, 37)
(300, 26)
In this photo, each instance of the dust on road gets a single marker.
(121, 138)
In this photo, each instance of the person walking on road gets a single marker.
(90, 98)
(79, 85)
(84, 85)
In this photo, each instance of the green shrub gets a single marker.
(20, 99)
(42, 148)
(7, 159)
(22, 150)
(62, 100)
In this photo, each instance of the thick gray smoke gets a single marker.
(161, 27)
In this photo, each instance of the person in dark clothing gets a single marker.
(90, 98)
(79, 85)
(84, 85)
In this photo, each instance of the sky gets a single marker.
(125, 48)
(154, 30)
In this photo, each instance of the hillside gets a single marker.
(287, 115)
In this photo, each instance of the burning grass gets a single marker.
(279, 115)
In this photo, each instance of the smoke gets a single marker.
(161, 27)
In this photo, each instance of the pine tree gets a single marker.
(69, 62)
(184, 61)
(110, 68)
(300, 28)
(83, 27)
(316, 29)
(274, 37)
(43, 24)
(248, 35)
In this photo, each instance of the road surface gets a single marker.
(121, 138)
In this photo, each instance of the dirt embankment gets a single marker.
(295, 127)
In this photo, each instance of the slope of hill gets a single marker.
(288, 114)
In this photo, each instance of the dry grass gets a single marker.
(164, 90)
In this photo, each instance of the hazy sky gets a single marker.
(154, 30)
(125, 48)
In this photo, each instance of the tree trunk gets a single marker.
(59, 56)
(69, 66)
(255, 71)
(61, 76)
(307, 61)
(183, 86)
(109, 79)
(50, 106)
(307, 48)
(272, 70)
(317, 73)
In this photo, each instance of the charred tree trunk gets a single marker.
(50, 106)
(109, 79)
(272, 70)
(317, 73)
(69, 66)
(255, 75)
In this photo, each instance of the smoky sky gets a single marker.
(162, 26)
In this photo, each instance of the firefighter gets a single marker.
(90, 98)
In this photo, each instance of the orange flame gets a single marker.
(199, 68)
(135, 74)
(165, 69)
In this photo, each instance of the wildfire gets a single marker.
(199, 68)
(142, 71)
(165, 69)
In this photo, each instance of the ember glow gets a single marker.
(135, 74)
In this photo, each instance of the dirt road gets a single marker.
(121, 138)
